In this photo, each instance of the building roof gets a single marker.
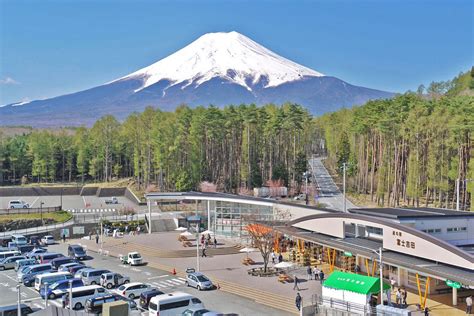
(410, 212)
(354, 283)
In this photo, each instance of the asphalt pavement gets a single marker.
(163, 280)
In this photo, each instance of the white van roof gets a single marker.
(86, 287)
(171, 296)
(44, 275)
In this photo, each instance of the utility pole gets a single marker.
(458, 182)
(45, 294)
(197, 246)
(19, 299)
(41, 212)
(344, 185)
(381, 275)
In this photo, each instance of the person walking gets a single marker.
(97, 239)
(298, 301)
(404, 297)
(469, 305)
(272, 255)
(316, 273)
(321, 276)
(295, 284)
(64, 237)
(399, 297)
(427, 311)
(280, 258)
(215, 242)
(309, 272)
(204, 251)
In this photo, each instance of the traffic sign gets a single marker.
(453, 284)
(347, 254)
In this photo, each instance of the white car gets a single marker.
(48, 240)
(132, 290)
(18, 204)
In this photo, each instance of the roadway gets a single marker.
(164, 280)
(328, 192)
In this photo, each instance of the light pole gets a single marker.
(344, 186)
(19, 299)
(61, 202)
(45, 294)
(41, 212)
(381, 273)
(70, 294)
(197, 246)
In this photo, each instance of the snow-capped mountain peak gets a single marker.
(231, 56)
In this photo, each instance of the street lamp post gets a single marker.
(70, 294)
(344, 186)
(41, 212)
(46, 294)
(19, 299)
(197, 246)
(61, 202)
(379, 252)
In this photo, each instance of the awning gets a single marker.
(354, 282)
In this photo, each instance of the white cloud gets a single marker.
(8, 80)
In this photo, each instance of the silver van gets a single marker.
(23, 263)
(92, 276)
(10, 262)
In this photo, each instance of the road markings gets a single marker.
(158, 277)
(34, 202)
(84, 199)
(136, 269)
(147, 273)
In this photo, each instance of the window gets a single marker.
(152, 306)
(83, 293)
(374, 230)
(456, 229)
(196, 301)
(432, 230)
(174, 305)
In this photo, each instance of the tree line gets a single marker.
(234, 147)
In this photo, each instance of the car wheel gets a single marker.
(109, 285)
(131, 296)
(126, 281)
(198, 288)
(52, 296)
(93, 283)
(2, 268)
(78, 306)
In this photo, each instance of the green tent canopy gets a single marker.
(354, 282)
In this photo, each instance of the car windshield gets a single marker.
(25, 269)
(202, 278)
(135, 256)
(78, 249)
(54, 285)
(122, 287)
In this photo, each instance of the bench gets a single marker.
(247, 261)
(284, 278)
(187, 243)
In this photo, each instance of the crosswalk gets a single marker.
(92, 210)
(161, 284)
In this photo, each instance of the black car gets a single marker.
(146, 296)
(61, 260)
(94, 305)
(35, 240)
(76, 252)
(13, 310)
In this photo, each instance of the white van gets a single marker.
(19, 240)
(81, 294)
(7, 254)
(17, 204)
(172, 304)
(50, 278)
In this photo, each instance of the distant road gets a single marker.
(328, 192)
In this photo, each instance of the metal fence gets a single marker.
(333, 307)
(39, 229)
(13, 211)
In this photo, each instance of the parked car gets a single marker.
(24, 249)
(199, 281)
(66, 266)
(94, 305)
(13, 310)
(196, 311)
(50, 278)
(19, 240)
(81, 294)
(74, 269)
(10, 262)
(57, 262)
(35, 252)
(92, 276)
(48, 240)
(35, 240)
(59, 288)
(32, 271)
(76, 252)
(132, 258)
(17, 204)
(146, 296)
(47, 257)
(132, 290)
(4, 240)
(79, 272)
(112, 200)
(112, 279)
(172, 304)
(9, 253)
(19, 264)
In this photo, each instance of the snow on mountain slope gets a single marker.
(231, 56)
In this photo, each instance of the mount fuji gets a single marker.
(217, 68)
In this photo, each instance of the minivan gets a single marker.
(172, 304)
(7, 254)
(59, 288)
(56, 262)
(92, 276)
(23, 263)
(146, 296)
(10, 262)
(11, 310)
(17, 204)
(48, 256)
(19, 239)
(50, 278)
(76, 251)
(94, 305)
(34, 270)
(81, 294)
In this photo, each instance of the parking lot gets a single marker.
(71, 202)
(163, 280)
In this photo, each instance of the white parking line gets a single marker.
(38, 305)
(136, 269)
(84, 199)
(158, 277)
(34, 201)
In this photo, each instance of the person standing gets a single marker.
(204, 251)
(272, 255)
(316, 273)
(404, 297)
(469, 305)
(280, 258)
(215, 242)
(64, 237)
(298, 301)
(399, 297)
(321, 276)
(427, 311)
(309, 272)
(392, 284)
(295, 284)
(97, 239)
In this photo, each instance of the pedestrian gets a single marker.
(427, 311)
(90, 235)
(97, 239)
(316, 273)
(298, 301)
(64, 237)
(399, 297)
(272, 255)
(309, 272)
(357, 268)
(321, 276)
(404, 297)
(392, 284)
(295, 284)
(208, 238)
(138, 230)
(215, 242)
(202, 239)
(469, 305)
(204, 251)
(280, 258)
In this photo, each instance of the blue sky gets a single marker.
(49, 48)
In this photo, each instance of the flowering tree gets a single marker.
(206, 186)
(262, 238)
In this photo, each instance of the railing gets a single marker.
(39, 229)
(29, 210)
(333, 307)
